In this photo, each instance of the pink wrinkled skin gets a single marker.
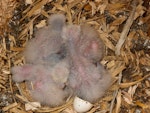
(47, 41)
(46, 83)
(63, 60)
(87, 79)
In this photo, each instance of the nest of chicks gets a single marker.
(123, 26)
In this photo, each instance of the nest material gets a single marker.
(123, 26)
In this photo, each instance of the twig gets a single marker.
(125, 30)
(121, 41)
(115, 93)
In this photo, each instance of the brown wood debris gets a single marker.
(124, 27)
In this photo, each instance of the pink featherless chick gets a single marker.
(90, 44)
(88, 80)
(46, 84)
(47, 43)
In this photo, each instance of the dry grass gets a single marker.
(124, 27)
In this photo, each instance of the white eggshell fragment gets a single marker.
(81, 106)
(32, 106)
